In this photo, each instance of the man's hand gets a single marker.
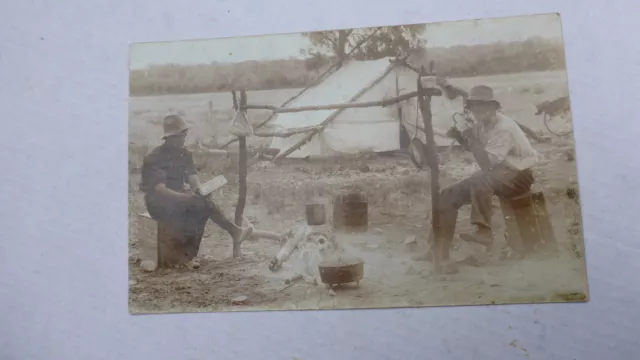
(194, 183)
(453, 132)
(459, 136)
(178, 196)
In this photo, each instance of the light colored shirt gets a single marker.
(506, 142)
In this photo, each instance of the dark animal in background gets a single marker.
(559, 106)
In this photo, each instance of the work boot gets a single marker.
(471, 260)
(482, 236)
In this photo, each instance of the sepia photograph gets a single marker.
(393, 166)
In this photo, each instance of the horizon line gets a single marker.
(552, 38)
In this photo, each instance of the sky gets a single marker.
(270, 47)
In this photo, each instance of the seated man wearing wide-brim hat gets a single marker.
(165, 172)
(505, 156)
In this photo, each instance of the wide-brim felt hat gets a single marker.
(481, 94)
(174, 125)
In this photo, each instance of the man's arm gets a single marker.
(192, 174)
(452, 91)
(499, 145)
(459, 137)
(194, 182)
(161, 188)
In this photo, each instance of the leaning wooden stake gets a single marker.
(424, 99)
(349, 105)
(335, 114)
(320, 79)
(242, 175)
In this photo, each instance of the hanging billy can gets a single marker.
(351, 212)
(316, 214)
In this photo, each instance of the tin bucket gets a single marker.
(316, 214)
(351, 212)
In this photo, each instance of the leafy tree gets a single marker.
(386, 41)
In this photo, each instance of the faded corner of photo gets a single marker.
(394, 166)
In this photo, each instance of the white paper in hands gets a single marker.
(211, 185)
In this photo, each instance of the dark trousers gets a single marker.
(181, 226)
(189, 216)
(477, 190)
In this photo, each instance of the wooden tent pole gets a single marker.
(242, 177)
(331, 117)
(350, 105)
(285, 134)
(322, 77)
(424, 100)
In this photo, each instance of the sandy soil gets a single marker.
(399, 204)
(398, 199)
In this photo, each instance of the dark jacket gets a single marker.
(172, 167)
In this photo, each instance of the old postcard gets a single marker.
(396, 166)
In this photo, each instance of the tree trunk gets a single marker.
(342, 43)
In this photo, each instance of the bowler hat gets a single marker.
(481, 93)
(173, 125)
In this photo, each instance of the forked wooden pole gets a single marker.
(424, 99)
(242, 177)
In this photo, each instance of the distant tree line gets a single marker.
(536, 54)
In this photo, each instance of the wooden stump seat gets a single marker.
(172, 247)
(528, 227)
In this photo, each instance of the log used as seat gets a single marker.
(528, 227)
(176, 247)
(171, 246)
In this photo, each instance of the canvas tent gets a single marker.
(354, 130)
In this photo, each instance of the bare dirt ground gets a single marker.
(399, 203)
(398, 200)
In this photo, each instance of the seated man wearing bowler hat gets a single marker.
(505, 156)
(165, 171)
